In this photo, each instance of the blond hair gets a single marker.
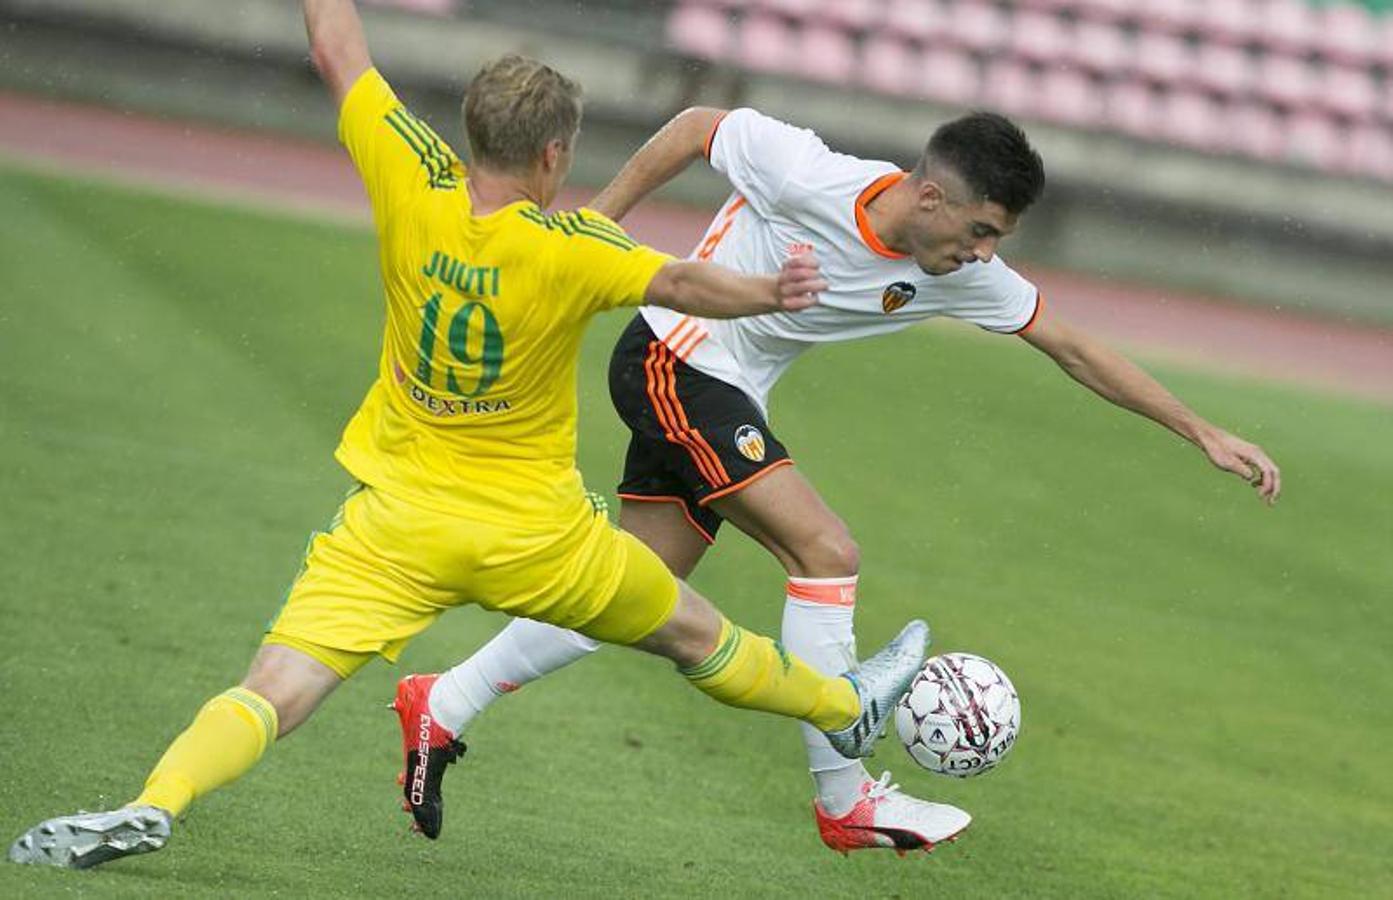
(514, 107)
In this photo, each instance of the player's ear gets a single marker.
(931, 195)
(552, 154)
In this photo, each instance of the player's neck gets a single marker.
(889, 210)
(490, 190)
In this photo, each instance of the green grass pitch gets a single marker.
(1205, 681)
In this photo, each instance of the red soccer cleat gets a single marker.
(885, 817)
(429, 748)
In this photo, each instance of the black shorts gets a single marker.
(693, 438)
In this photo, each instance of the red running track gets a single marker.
(306, 176)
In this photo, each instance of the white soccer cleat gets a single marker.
(880, 682)
(885, 817)
(90, 839)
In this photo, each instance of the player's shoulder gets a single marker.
(579, 227)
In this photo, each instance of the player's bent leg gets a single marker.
(225, 740)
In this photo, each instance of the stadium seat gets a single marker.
(1288, 26)
(1132, 108)
(1284, 80)
(426, 7)
(916, 20)
(1100, 47)
(1106, 10)
(1369, 152)
(790, 10)
(1231, 21)
(888, 65)
(1070, 97)
(979, 27)
(850, 15)
(1163, 59)
(1253, 130)
(765, 43)
(1174, 16)
(1038, 37)
(1348, 92)
(1224, 70)
(1347, 35)
(825, 53)
(1191, 119)
(700, 31)
(1314, 140)
(1011, 87)
(948, 75)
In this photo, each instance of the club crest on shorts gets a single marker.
(897, 295)
(750, 442)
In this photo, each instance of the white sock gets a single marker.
(523, 651)
(817, 627)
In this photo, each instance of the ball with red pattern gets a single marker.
(960, 716)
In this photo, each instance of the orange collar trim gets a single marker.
(863, 224)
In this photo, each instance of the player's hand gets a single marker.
(799, 282)
(1247, 461)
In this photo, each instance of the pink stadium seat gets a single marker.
(699, 31)
(1348, 92)
(1288, 26)
(850, 15)
(1369, 151)
(1224, 70)
(917, 20)
(1284, 80)
(1314, 140)
(765, 44)
(1132, 108)
(1071, 98)
(1191, 119)
(1163, 59)
(1347, 34)
(1383, 42)
(949, 75)
(888, 65)
(793, 10)
(428, 7)
(1012, 88)
(1038, 37)
(1230, 21)
(825, 54)
(1175, 16)
(1254, 130)
(1107, 10)
(1101, 47)
(977, 26)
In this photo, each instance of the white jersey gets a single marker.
(792, 193)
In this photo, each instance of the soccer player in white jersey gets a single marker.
(897, 248)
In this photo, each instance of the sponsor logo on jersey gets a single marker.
(896, 295)
(798, 247)
(750, 442)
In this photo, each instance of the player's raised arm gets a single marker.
(1115, 378)
(715, 292)
(677, 145)
(337, 44)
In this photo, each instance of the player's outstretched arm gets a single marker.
(337, 44)
(715, 292)
(1115, 378)
(676, 145)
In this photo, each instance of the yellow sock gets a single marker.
(227, 737)
(752, 672)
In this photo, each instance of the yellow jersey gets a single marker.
(474, 408)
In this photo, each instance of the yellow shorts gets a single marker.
(387, 568)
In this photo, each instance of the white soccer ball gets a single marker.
(960, 716)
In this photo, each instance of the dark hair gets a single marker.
(992, 155)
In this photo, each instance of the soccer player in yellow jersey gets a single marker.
(464, 453)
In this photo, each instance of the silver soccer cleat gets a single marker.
(880, 682)
(90, 839)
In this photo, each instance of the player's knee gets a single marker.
(831, 553)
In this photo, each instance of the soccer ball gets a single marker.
(960, 716)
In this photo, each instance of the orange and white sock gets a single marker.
(817, 626)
